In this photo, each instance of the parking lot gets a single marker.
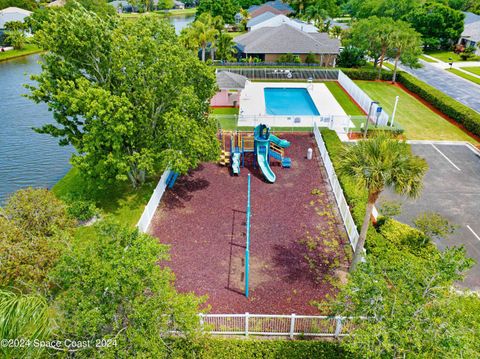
(452, 189)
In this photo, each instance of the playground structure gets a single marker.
(264, 146)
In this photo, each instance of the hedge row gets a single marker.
(356, 197)
(367, 74)
(450, 107)
(216, 348)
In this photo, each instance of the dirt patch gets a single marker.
(203, 219)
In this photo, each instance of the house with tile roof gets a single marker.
(276, 7)
(269, 43)
(269, 19)
(12, 14)
(471, 32)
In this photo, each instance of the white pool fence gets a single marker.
(343, 207)
(380, 118)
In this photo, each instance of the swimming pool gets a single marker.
(289, 101)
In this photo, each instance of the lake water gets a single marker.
(28, 158)
(181, 21)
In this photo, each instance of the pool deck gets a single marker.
(253, 109)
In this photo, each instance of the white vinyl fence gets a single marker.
(333, 122)
(276, 325)
(152, 205)
(362, 99)
(347, 218)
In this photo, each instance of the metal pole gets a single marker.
(247, 248)
(394, 110)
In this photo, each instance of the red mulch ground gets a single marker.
(203, 219)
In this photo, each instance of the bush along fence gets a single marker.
(276, 325)
(343, 207)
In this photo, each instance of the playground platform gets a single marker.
(203, 220)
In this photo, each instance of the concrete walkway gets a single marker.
(460, 89)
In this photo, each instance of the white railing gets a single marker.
(152, 205)
(343, 207)
(362, 99)
(332, 122)
(276, 325)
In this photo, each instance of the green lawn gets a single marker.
(344, 100)
(444, 56)
(27, 50)
(182, 12)
(419, 122)
(118, 200)
(474, 70)
(226, 123)
(465, 76)
(426, 59)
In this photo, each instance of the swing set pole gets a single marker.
(247, 248)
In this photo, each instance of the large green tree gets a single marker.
(112, 286)
(224, 8)
(406, 45)
(34, 229)
(439, 24)
(373, 35)
(404, 293)
(395, 9)
(321, 10)
(125, 94)
(378, 163)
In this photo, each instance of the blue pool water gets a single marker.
(289, 101)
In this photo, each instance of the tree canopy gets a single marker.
(439, 24)
(34, 228)
(404, 293)
(224, 8)
(125, 94)
(111, 286)
(375, 164)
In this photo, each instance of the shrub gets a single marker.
(311, 59)
(265, 349)
(288, 59)
(450, 107)
(367, 74)
(395, 131)
(351, 56)
(82, 210)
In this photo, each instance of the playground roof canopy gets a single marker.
(227, 80)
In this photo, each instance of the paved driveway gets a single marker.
(451, 188)
(460, 89)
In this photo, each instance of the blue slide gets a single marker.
(262, 159)
(236, 163)
(279, 142)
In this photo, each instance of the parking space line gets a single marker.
(471, 230)
(448, 159)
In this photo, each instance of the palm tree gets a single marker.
(376, 163)
(201, 32)
(225, 46)
(23, 316)
(407, 45)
